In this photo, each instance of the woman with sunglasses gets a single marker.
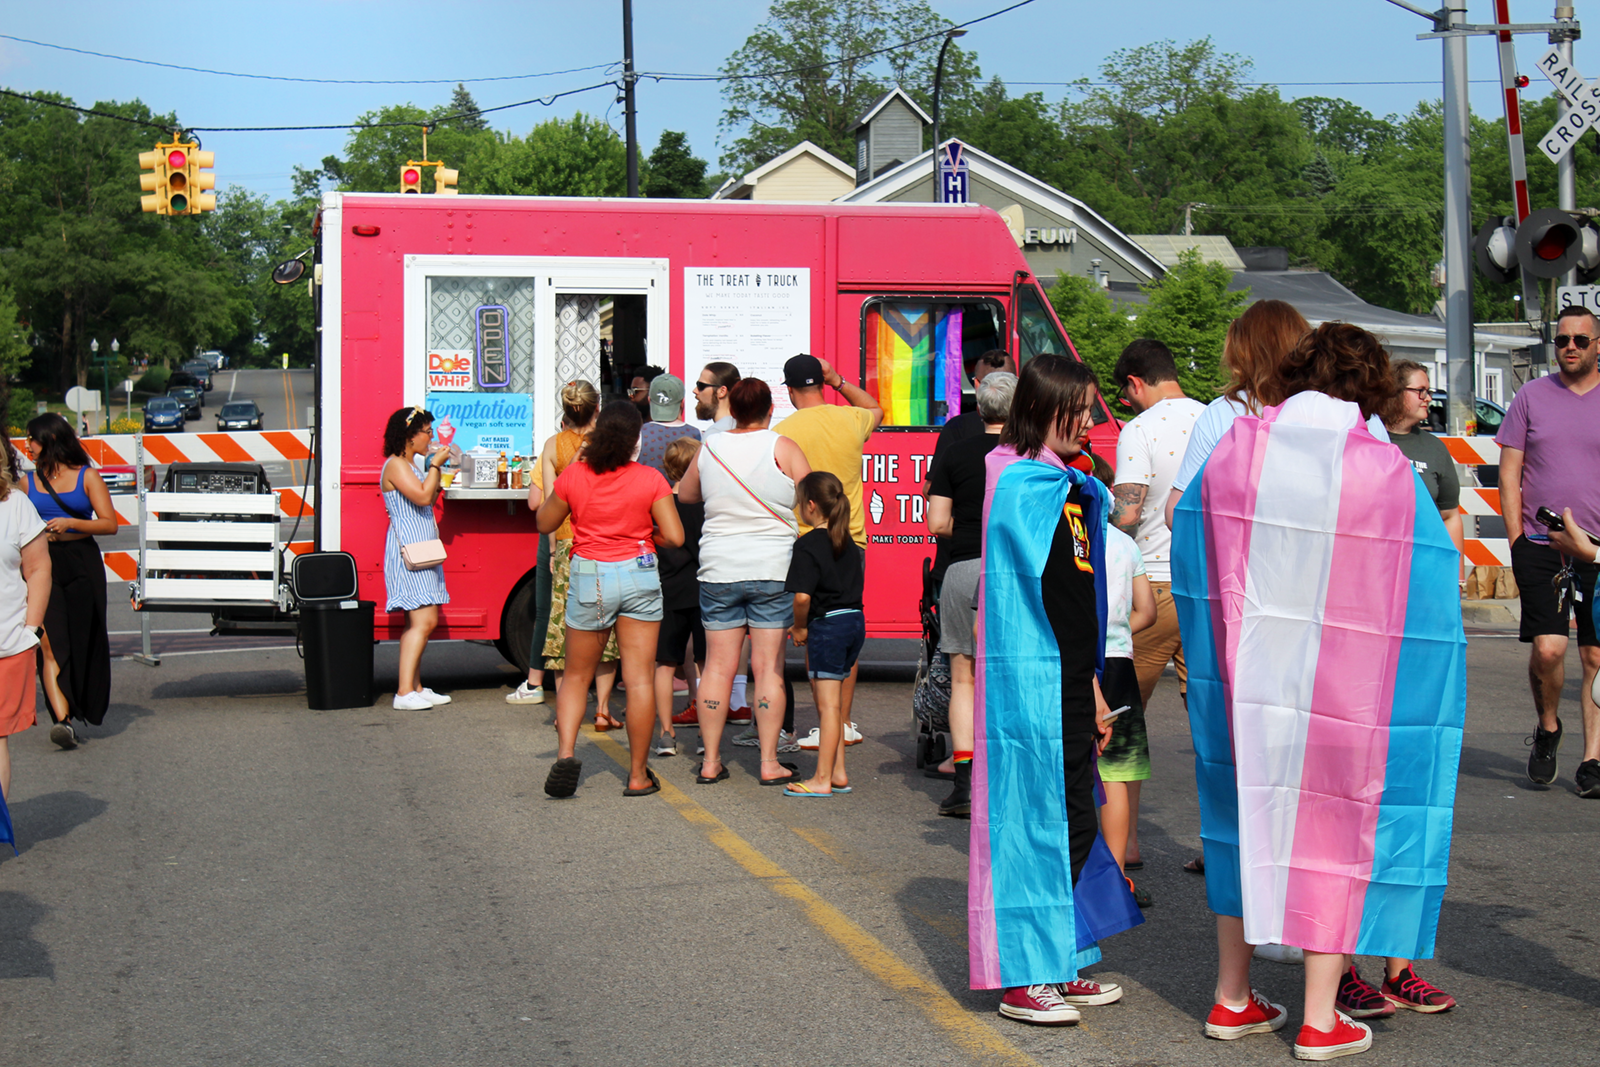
(408, 496)
(71, 497)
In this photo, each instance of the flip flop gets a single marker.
(841, 789)
(721, 775)
(562, 781)
(653, 787)
(792, 776)
(1136, 865)
(1196, 865)
(800, 789)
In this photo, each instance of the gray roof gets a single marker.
(1321, 298)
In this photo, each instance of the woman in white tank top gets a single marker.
(746, 476)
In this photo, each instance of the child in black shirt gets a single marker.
(680, 600)
(825, 577)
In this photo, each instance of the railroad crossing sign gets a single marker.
(1583, 100)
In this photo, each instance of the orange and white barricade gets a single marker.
(1484, 503)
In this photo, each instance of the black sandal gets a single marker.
(653, 787)
(721, 775)
(792, 776)
(562, 781)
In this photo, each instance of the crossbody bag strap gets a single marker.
(786, 517)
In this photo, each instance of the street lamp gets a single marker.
(938, 78)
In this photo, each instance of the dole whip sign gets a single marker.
(450, 371)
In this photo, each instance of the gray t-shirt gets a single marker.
(1432, 461)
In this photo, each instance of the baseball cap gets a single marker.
(666, 397)
(802, 371)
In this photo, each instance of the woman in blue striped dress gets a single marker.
(409, 500)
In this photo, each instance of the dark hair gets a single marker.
(647, 372)
(58, 444)
(827, 493)
(611, 441)
(579, 402)
(1256, 343)
(1343, 361)
(1403, 369)
(1102, 469)
(680, 454)
(1147, 359)
(726, 375)
(749, 401)
(994, 359)
(401, 425)
(1050, 391)
(1578, 309)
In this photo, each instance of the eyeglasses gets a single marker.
(1422, 391)
(638, 390)
(1577, 340)
(704, 385)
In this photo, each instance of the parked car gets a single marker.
(202, 372)
(215, 359)
(163, 413)
(1489, 416)
(124, 477)
(183, 377)
(190, 397)
(239, 415)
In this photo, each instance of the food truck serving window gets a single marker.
(918, 352)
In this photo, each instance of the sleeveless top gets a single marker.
(409, 523)
(76, 499)
(745, 539)
(568, 442)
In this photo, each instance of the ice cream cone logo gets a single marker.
(875, 506)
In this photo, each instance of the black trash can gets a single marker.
(337, 638)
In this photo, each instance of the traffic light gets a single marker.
(1549, 243)
(154, 183)
(444, 180)
(411, 178)
(200, 179)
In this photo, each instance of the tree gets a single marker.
(383, 141)
(673, 171)
(464, 111)
(807, 73)
(1097, 326)
(1189, 312)
(579, 156)
(15, 352)
(1019, 130)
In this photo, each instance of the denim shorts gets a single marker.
(598, 592)
(832, 644)
(758, 605)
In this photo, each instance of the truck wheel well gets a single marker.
(516, 622)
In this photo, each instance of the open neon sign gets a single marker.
(494, 346)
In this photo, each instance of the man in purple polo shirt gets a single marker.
(1548, 444)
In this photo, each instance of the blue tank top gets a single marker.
(76, 499)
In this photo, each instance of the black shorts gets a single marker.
(678, 625)
(1535, 566)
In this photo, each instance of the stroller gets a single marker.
(930, 695)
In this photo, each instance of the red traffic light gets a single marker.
(176, 159)
(412, 176)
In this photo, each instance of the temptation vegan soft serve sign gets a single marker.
(489, 422)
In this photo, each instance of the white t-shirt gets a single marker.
(1209, 429)
(1149, 451)
(1123, 564)
(19, 524)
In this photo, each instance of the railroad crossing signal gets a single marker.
(1547, 244)
(444, 180)
(411, 178)
(178, 179)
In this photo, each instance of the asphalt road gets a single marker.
(220, 876)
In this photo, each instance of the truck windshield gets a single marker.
(1036, 327)
(917, 355)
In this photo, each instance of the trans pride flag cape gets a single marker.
(1316, 591)
(7, 835)
(1026, 924)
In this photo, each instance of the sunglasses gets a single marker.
(704, 385)
(1577, 340)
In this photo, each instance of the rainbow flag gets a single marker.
(946, 367)
(903, 350)
(1316, 591)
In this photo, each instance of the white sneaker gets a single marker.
(526, 694)
(666, 745)
(1291, 955)
(435, 699)
(786, 742)
(852, 736)
(749, 738)
(812, 741)
(411, 702)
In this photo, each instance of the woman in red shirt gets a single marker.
(620, 510)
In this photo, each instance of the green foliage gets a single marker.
(153, 380)
(790, 86)
(673, 171)
(19, 409)
(1189, 312)
(127, 424)
(1097, 326)
(579, 156)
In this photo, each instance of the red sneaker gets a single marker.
(689, 716)
(1260, 1016)
(1406, 990)
(1358, 999)
(1345, 1039)
(1081, 992)
(1038, 1004)
(739, 717)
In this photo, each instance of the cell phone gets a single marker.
(1550, 519)
(1113, 714)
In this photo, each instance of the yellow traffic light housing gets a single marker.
(154, 183)
(200, 179)
(411, 178)
(444, 180)
(177, 180)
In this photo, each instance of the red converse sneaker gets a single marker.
(739, 716)
(1084, 993)
(689, 716)
(1359, 1000)
(1345, 1039)
(1406, 990)
(1038, 1004)
(1260, 1016)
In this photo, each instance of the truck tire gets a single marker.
(516, 623)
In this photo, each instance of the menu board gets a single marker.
(753, 317)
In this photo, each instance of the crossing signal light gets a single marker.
(444, 180)
(1495, 249)
(1549, 243)
(411, 178)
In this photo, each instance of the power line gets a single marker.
(314, 81)
(1114, 85)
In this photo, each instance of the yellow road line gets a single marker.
(288, 403)
(872, 955)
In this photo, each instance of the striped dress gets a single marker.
(408, 524)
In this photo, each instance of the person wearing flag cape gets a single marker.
(1043, 887)
(1317, 596)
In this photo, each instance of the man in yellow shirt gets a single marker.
(831, 436)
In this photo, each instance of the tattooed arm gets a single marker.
(1127, 503)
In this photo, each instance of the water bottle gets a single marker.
(647, 555)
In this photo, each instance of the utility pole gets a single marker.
(1457, 227)
(628, 79)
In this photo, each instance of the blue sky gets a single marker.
(1298, 41)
